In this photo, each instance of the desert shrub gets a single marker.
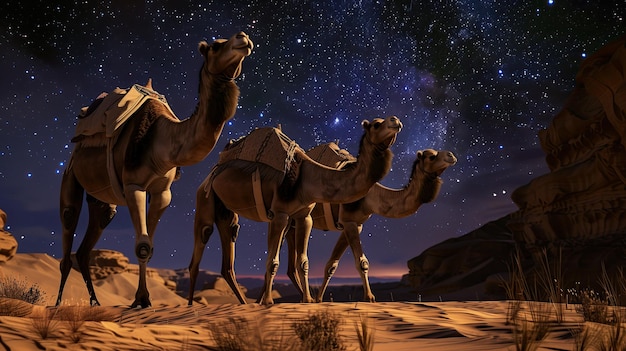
(21, 289)
(319, 332)
(237, 334)
(593, 307)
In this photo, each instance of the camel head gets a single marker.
(434, 162)
(382, 132)
(224, 56)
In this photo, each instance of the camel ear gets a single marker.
(366, 124)
(420, 155)
(203, 47)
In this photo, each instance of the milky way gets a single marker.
(479, 78)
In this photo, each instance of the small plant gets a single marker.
(592, 307)
(236, 334)
(612, 337)
(365, 334)
(550, 279)
(527, 336)
(586, 338)
(76, 316)
(514, 288)
(43, 322)
(320, 332)
(21, 289)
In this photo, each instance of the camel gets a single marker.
(147, 164)
(228, 192)
(423, 187)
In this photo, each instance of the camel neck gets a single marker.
(353, 182)
(397, 203)
(197, 135)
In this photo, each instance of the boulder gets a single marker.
(8, 244)
(103, 262)
(3, 219)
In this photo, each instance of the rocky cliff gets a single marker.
(575, 214)
(583, 198)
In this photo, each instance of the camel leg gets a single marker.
(136, 200)
(332, 264)
(260, 298)
(302, 233)
(202, 230)
(290, 236)
(276, 230)
(71, 202)
(143, 245)
(352, 232)
(100, 215)
(228, 228)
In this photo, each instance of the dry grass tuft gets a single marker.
(14, 307)
(43, 322)
(365, 334)
(239, 334)
(76, 316)
(318, 332)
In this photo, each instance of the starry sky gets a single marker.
(479, 78)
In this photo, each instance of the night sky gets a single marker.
(479, 78)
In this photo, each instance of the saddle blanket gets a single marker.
(265, 145)
(110, 110)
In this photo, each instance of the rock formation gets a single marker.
(8, 244)
(466, 261)
(583, 198)
(103, 262)
(575, 215)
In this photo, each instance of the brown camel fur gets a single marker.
(147, 164)
(423, 187)
(228, 194)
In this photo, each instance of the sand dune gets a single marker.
(172, 325)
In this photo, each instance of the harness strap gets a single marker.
(115, 184)
(258, 196)
(329, 218)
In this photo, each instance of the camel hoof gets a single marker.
(267, 302)
(144, 303)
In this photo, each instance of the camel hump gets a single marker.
(269, 146)
(331, 155)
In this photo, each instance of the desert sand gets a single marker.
(172, 325)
